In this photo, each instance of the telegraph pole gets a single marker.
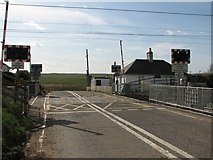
(88, 77)
(122, 58)
(4, 33)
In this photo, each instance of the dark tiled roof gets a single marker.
(143, 66)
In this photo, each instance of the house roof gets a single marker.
(143, 66)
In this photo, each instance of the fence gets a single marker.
(195, 98)
(18, 92)
(140, 88)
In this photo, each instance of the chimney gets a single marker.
(150, 55)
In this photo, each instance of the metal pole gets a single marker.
(4, 34)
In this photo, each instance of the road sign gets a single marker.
(14, 53)
(18, 65)
(180, 68)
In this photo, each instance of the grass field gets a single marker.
(62, 81)
(68, 79)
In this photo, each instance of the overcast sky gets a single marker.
(60, 35)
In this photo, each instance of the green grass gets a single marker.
(14, 126)
(62, 81)
(68, 79)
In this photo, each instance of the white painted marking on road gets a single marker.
(163, 142)
(118, 121)
(160, 108)
(78, 107)
(145, 140)
(132, 109)
(61, 107)
(41, 138)
(107, 106)
(34, 100)
(181, 114)
(116, 110)
(147, 109)
(143, 105)
(71, 112)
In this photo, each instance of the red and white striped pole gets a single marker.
(4, 33)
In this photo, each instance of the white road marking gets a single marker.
(116, 110)
(71, 112)
(41, 138)
(143, 105)
(118, 121)
(180, 114)
(147, 109)
(34, 100)
(107, 106)
(61, 107)
(160, 108)
(78, 107)
(145, 140)
(133, 109)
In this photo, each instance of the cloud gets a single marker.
(164, 49)
(39, 14)
(32, 43)
(170, 32)
(35, 25)
(178, 32)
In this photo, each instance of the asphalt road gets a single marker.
(95, 125)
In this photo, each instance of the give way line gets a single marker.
(126, 125)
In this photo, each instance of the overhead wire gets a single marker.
(111, 9)
(116, 26)
(103, 33)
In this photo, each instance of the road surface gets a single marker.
(84, 124)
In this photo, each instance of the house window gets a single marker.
(98, 82)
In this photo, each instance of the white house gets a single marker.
(144, 71)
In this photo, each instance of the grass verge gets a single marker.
(14, 127)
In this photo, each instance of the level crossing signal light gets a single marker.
(180, 56)
(19, 53)
(116, 68)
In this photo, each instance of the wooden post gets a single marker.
(25, 99)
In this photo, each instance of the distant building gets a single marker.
(144, 71)
(99, 81)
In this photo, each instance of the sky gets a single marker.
(59, 36)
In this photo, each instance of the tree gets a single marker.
(25, 75)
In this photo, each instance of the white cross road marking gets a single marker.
(61, 108)
(78, 107)
(125, 124)
(107, 106)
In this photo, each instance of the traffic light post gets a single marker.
(117, 70)
(180, 60)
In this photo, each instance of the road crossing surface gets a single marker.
(80, 124)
